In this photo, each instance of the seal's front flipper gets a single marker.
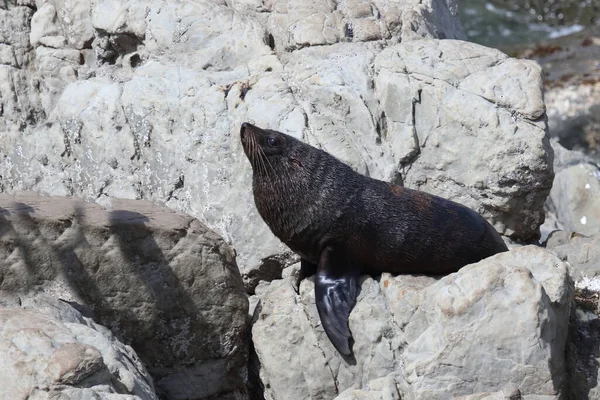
(306, 269)
(336, 288)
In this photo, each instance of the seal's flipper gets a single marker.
(336, 288)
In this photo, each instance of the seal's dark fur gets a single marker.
(343, 223)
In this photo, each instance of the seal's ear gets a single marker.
(336, 289)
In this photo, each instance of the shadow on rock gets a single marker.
(583, 347)
(148, 282)
(160, 280)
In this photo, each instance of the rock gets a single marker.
(433, 360)
(497, 322)
(583, 255)
(294, 25)
(387, 389)
(575, 198)
(551, 224)
(564, 158)
(581, 252)
(159, 279)
(57, 353)
(439, 87)
(377, 389)
(153, 109)
(43, 25)
(19, 102)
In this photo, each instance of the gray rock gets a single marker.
(416, 81)
(159, 279)
(378, 389)
(498, 322)
(550, 225)
(19, 101)
(387, 389)
(56, 353)
(564, 158)
(294, 25)
(581, 252)
(513, 300)
(575, 198)
(152, 110)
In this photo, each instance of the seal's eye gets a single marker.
(272, 140)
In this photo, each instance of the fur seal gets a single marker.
(343, 224)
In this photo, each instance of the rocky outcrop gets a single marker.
(580, 251)
(159, 279)
(574, 201)
(386, 389)
(48, 350)
(575, 198)
(498, 322)
(145, 101)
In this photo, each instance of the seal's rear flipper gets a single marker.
(336, 288)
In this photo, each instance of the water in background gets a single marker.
(498, 23)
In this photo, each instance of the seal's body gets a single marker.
(343, 223)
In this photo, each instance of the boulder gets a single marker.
(378, 389)
(575, 198)
(580, 251)
(564, 159)
(159, 279)
(54, 352)
(502, 321)
(143, 100)
(423, 87)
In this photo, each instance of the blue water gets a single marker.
(494, 25)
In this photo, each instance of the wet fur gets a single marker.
(347, 224)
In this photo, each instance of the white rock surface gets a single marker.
(48, 350)
(144, 100)
(500, 321)
(387, 389)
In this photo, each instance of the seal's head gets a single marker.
(268, 149)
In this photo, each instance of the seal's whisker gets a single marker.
(268, 162)
(264, 161)
(257, 155)
(252, 150)
(260, 164)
